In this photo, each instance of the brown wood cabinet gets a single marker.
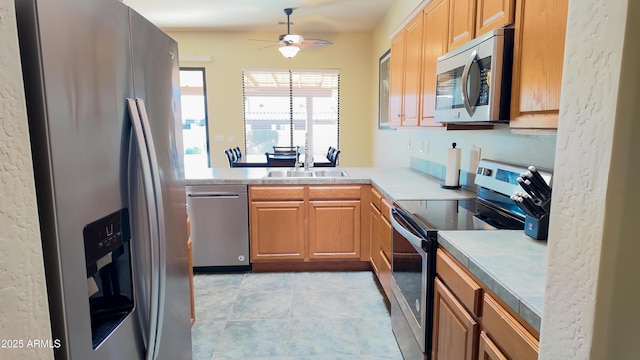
(455, 331)
(405, 73)
(488, 350)
(435, 44)
(540, 27)
(412, 72)
(278, 230)
(441, 26)
(334, 229)
(507, 333)
(396, 79)
(462, 17)
(386, 232)
(374, 237)
(493, 14)
(470, 325)
(380, 238)
(305, 223)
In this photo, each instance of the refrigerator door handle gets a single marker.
(141, 147)
(161, 239)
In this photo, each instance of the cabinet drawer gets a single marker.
(385, 275)
(455, 277)
(509, 335)
(276, 192)
(376, 197)
(334, 192)
(385, 209)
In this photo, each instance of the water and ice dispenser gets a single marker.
(109, 278)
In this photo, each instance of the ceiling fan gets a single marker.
(290, 44)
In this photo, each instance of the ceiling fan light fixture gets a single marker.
(295, 39)
(289, 51)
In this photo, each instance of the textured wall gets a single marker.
(24, 313)
(585, 220)
(616, 330)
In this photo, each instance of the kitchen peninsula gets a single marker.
(490, 256)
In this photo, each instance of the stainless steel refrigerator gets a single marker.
(102, 87)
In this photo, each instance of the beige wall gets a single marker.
(24, 312)
(231, 52)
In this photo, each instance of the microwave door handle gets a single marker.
(465, 81)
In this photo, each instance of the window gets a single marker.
(281, 106)
(193, 101)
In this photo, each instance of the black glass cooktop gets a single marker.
(469, 214)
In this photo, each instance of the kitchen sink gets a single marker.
(305, 173)
(330, 173)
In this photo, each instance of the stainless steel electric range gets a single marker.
(415, 226)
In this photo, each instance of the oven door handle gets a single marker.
(417, 241)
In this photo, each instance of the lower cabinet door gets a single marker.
(386, 232)
(512, 337)
(489, 350)
(277, 230)
(334, 229)
(374, 237)
(455, 331)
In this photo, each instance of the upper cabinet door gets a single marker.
(461, 22)
(396, 79)
(412, 71)
(434, 45)
(493, 14)
(540, 28)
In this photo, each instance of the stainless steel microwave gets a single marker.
(473, 82)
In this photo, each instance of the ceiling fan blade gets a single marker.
(271, 41)
(269, 46)
(316, 42)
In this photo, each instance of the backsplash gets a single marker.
(467, 179)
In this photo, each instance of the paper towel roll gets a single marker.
(453, 166)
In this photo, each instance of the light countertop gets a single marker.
(395, 183)
(509, 262)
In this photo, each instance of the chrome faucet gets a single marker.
(307, 158)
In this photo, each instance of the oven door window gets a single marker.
(408, 272)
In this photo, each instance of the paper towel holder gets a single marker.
(453, 187)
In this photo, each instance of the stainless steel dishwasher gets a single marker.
(219, 227)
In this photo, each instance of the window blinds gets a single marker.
(280, 106)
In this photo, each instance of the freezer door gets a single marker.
(77, 73)
(157, 90)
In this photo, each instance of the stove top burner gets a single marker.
(470, 214)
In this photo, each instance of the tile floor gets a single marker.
(292, 316)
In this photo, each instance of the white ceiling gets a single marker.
(264, 15)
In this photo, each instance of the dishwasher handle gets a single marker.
(214, 196)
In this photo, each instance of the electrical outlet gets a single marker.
(424, 147)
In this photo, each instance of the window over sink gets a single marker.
(281, 106)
